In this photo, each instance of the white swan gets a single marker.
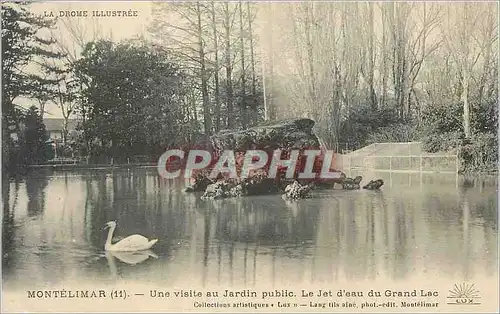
(131, 243)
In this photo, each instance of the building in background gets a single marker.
(54, 128)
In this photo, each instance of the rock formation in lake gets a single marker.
(351, 184)
(296, 191)
(268, 136)
(221, 189)
(257, 184)
(200, 181)
(286, 135)
(374, 184)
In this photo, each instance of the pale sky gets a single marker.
(275, 15)
(115, 28)
(121, 27)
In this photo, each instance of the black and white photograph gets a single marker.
(236, 156)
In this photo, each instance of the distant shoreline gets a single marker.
(69, 166)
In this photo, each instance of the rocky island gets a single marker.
(287, 136)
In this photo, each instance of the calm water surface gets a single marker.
(417, 225)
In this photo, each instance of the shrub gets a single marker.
(442, 119)
(363, 122)
(442, 130)
(485, 116)
(398, 132)
(441, 142)
(480, 153)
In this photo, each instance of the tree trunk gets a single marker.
(482, 82)
(66, 112)
(229, 69)
(271, 105)
(42, 107)
(252, 62)
(244, 109)
(371, 56)
(297, 49)
(384, 56)
(310, 56)
(465, 100)
(216, 72)
(65, 129)
(194, 109)
(204, 85)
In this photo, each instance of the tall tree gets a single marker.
(369, 71)
(228, 24)
(458, 38)
(134, 98)
(203, 71)
(217, 111)
(244, 109)
(420, 47)
(485, 39)
(35, 148)
(22, 47)
(187, 41)
(250, 18)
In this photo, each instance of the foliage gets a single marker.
(214, 42)
(442, 118)
(397, 132)
(29, 146)
(480, 153)
(21, 44)
(442, 130)
(363, 123)
(361, 83)
(248, 102)
(132, 100)
(34, 148)
(441, 142)
(485, 116)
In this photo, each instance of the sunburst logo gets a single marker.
(463, 294)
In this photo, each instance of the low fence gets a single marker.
(398, 157)
(413, 163)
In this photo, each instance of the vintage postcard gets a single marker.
(233, 156)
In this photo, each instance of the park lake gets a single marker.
(437, 225)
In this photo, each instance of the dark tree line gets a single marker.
(364, 72)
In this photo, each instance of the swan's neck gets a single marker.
(110, 236)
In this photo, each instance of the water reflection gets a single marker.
(35, 189)
(423, 225)
(130, 258)
(8, 243)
